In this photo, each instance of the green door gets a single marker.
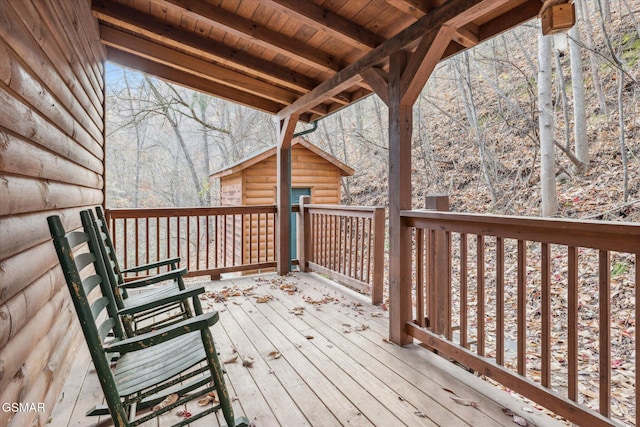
(295, 199)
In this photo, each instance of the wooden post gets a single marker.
(283, 219)
(304, 234)
(400, 129)
(439, 284)
(378, 256)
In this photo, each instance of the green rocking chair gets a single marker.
(179, 360)
(167, 284)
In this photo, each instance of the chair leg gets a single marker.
(218, 378)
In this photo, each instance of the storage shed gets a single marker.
(253, 181)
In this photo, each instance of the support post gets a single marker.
(304, 234)
(378, 256)
(400, 130)
(439, 285)
(283, 197)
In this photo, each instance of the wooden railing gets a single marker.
(546, 307)
(344, 242)
(209, 241)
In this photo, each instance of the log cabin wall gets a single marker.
(51, 162)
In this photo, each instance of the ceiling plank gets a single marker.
(340, 27)
(191, 81)
(452, 10)
(257, 34)
(135, 21)
(160, 53)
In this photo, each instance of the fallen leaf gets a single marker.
(465, 402)
(172, 398)
(247, 362)
(420, 414)
(263, 299)
(274, 354)
(362, 327)
(449, 390)
(232, 359)
(209, 398)
(309, 337)
(519, 420)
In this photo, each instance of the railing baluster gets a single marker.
(522, 308)
(572, 323)
(146, 236)
(480, 293)
(545, 310)
(463, 291)
(136, 241)
(420, 297)
(125, 240)
(158, 238)
(500, 301)
(604, 321)
(361, 247)
(188, 240)
(369, 246)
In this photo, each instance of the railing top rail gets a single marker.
(365, 211)
(202, 211)
(604, 235)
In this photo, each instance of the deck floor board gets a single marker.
(335, 365)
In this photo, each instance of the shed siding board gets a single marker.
(51, 162)
(256, 185)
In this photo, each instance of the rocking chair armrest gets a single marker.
(146, 281)
(150, 339)
(173, 298)
(169, 261)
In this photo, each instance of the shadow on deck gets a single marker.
(320, 358)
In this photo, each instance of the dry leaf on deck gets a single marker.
(263, 299)
(232, 359)
(209, 398)
(309, 337)
(465, 402)
(362, 327)
(298, 311)
(172, 398)
(449, 390)
(420, 414)
(519, 420)
(274, 354)
(247, 362)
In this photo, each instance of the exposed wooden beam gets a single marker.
(224, 76)
(331, 22)
(467, 36)
(506, 21)
(415, 8)
(133, 20)
(400, 130)
(378, 80)
(191, 81)
(459, 11)
(258, 34)
(286, 128)
(423, 61)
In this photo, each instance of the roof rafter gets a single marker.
(224, 76)
(134, 20)
(455, 13)
(338, 26)
(259, 35)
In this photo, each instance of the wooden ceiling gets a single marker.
(308, 57)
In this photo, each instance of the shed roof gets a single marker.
(308, 58)
(345, 170)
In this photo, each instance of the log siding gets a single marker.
(51, 162)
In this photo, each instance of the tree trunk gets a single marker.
(549, 205)
(581, 143)
(583, 12)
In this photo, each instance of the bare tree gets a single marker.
(549, 204)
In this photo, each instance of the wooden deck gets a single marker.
(321, 358)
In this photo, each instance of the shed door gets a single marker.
(295, 199)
